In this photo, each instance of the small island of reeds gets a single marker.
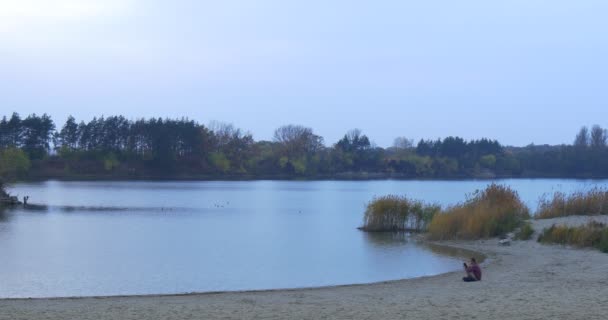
(398, 213)
(491, 212)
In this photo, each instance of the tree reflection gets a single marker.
(387, 239)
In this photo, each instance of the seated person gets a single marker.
(473, 271)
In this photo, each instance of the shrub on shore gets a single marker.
(398, 213)
(494, 211)
(592, 202)
(3, 193)
(594, 235)
(525, 232)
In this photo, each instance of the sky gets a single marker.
(519, 71)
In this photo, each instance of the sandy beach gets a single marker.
(526, 280)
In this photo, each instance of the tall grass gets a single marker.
(398, 213)
(594, 235)
(492, 212)
(592, 202)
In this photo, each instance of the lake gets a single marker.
(120, 238)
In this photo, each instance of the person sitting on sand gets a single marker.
(473, 271)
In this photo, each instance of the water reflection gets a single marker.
(396, 239)
(455, 252)
(387, 239)
(4, 215)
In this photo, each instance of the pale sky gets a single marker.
(519, 71)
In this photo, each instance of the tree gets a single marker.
(11, 131)
(68, 137)
(403, 143)
(234, 144)
(453, 147)
(582, 138)
(357, 153)
(14, 163)
(598, 137)
(354, 141)
(297, 140)
(488, 161)
(37, 133)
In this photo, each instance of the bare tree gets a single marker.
(403, 143)
(298, 140)
(598, 137)
(225, 133)
(582, 138)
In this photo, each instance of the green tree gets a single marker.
(219, 161)
(110, 162)
(68, 137)
(14, 163)
(11, 131)
(488, 161)
(37, 134)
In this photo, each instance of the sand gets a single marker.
(526, 280)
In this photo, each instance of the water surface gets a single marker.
(115, 238)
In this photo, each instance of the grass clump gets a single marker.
(594, 235)
(592, 202)
(525, 232)
(398, 213)
(494, 211)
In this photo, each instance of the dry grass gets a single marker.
(594, 235)
(492, 212)
(398, 213)
(593, 202)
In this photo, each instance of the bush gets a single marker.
(398, 213)
(525, 232)
(494, 211)
(14, 163)
(594, 235)
(593, 202)
(3, 193)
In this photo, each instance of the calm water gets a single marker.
(110, 238)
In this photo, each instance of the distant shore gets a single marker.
(333, 177)
(526, 280)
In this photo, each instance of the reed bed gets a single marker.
(594, 235)
(492, 212)
(592, 202)
(398, 213)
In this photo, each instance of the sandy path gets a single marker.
(524, 281)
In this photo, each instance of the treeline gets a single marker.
(117, 147)
(586, 157)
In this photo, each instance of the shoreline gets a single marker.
(526, 280)
(336, 177)
(480, 256)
